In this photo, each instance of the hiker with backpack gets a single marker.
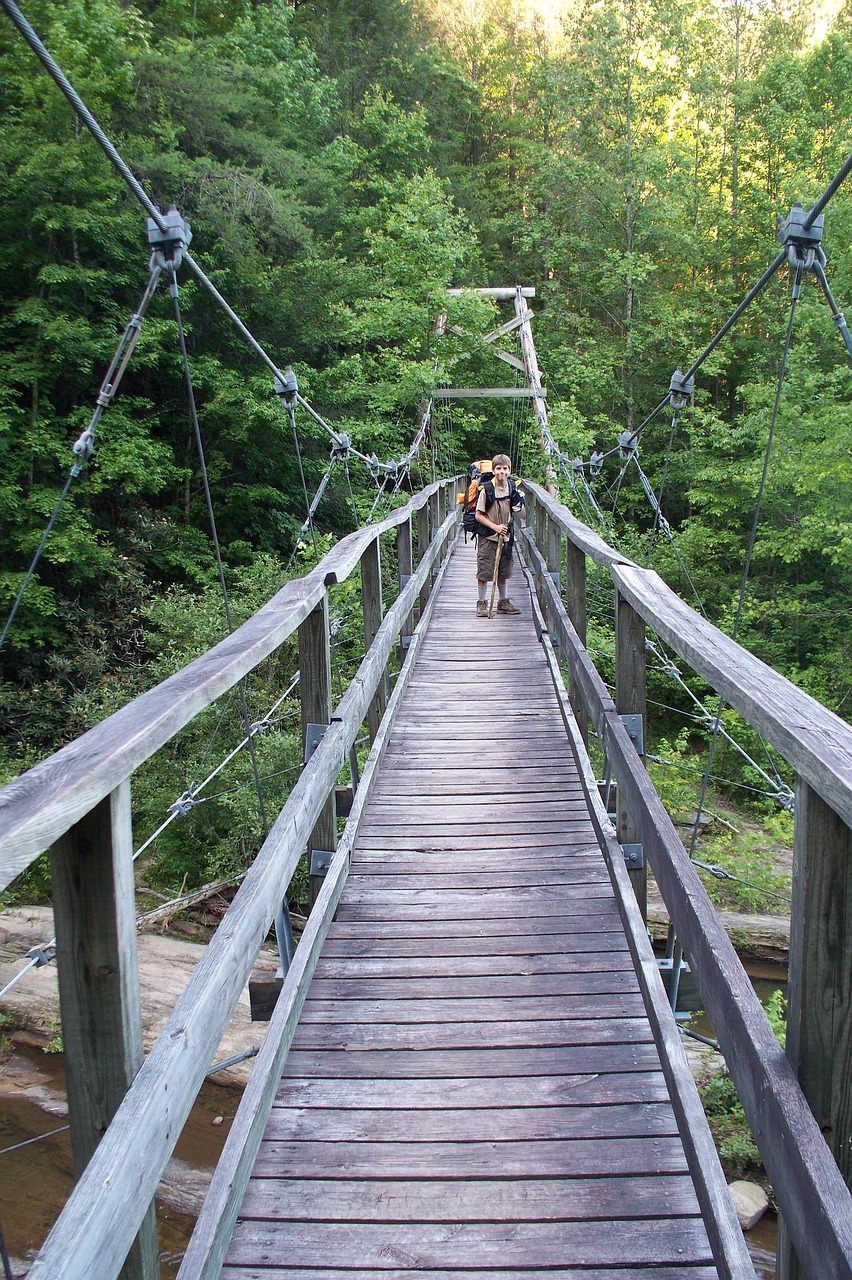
(498, 499)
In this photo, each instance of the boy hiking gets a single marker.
(498, 499)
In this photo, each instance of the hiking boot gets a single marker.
(506, 606)
(481, 609)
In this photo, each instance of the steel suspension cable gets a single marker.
(753, 537)
(190, 392)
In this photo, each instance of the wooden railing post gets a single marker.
(94, 907)
(552, 551)
(371, 600)
(405, 565)
(630, 699)
(315, 696)
(819, 1008)
(422, 545)
(575, 607)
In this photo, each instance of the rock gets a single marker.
(165, 967)
(750, 1202)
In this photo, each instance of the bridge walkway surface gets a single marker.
(474, 1088)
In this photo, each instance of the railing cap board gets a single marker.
(580, 534)
(815, 741)
(43, 803)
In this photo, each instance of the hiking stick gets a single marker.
(494, 579)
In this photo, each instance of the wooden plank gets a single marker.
(475, 1035)
(595, 1089)
(422, 1011)
(572, 961)
(540, 947)
(438, 933)
(480, 1200)
(421, 1246)
(819, 1028)
(95, 918)
(631, 699)
(527, 986)
(499, 294)
(277, 1272)
(371, 604)
(315, 701)
(460, 1125)
(450, 1063)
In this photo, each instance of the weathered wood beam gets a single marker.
(500, 295)
(819, 1005)
(631, 699)
(92, 889)
(485, 393)
(371, 602)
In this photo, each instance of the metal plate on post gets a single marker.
(321, 861)
(634, 856)
(314, 734)
(635, 731)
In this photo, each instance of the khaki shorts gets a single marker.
(486, 552)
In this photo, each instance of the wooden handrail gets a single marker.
(96, 1229)
(812, 739)
(43, 803)
(813, 1196)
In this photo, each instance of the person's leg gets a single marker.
(505, 605)
(485, 557)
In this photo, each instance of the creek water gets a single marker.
(36, 1179)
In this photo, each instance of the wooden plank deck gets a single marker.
(473, 1089)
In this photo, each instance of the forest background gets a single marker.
(343, 162)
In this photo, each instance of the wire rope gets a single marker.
(193, 409)
(753, 536)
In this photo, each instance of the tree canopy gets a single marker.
(343, 163)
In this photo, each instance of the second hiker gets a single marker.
(499, 498)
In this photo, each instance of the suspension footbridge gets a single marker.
(472, 1065)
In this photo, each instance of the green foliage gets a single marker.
(342, 165)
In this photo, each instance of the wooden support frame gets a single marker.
(631, 699)
(405, 565)
(96, 955)
(371, 601)
(315, 697)
(819, 1025)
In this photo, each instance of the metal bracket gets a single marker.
(556, 579)
(635, 731)
(321, 861)
(405, 641)
(634, 856)
(314, 734)
(404, 579)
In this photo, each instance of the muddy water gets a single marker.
(36, 1180)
